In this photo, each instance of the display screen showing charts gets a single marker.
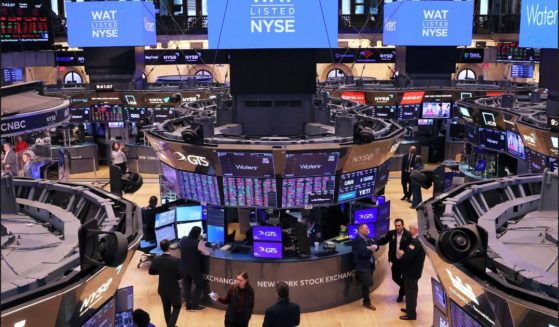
(201, 188)
(165, 218)
(165, 233)
(515, 145)
(250, 192)
(183, 229)
(246, 164)
(310, 164)
(356, 184)
(305, 191)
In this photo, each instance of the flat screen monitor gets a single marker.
(26, 25)
(439, 295)
(383, 210)
(216, 234)
(160, 115)
(465, 95)
(522, 71)
(79, 115)
(215, 216)
(537, 162)
(183, 229)
(168, 182)
(353, 230)
(439, 318)
(106, 113)
(480, 166)
(432, 110)
(165, 218)
(305, 191)
(465, 113)
(425, 122)
(189, 213)
(309, 164)
(247, 164)
(124, 307)
(472, 133)
(488, 119)
(408, 112)
(554, 142)
(165, 233)
(272, 250)
(357, 184)
(104, 317)
(365, 216)
(382, 227)
(135, 114)
(515, 145)
(510, 52)
(266, 233)
(492, 139)
(250, 192)
(460, 318)
(386, 112)
(12, 74)
(198, 187)
(552, 163)
(382, 175)
(536, 27)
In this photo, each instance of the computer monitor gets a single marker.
(272, 250)
(383, 210)
(439, 295)
(352, 230)
(165, 218)
(183, 229)
(382, 227)
(460, 318)
(105, 316)
(216, 234)
(266, 233)
(365, 216)
(381, 199)
(165, 233)
(480, 165)
(189, 213)
(124, 307)
(439, 318)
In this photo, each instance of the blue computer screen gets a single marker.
(216, 234)
(165, 233)
(104, 317)
(353, 230)
(164, 218)
(190, 213)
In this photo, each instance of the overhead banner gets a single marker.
(263, 24)
(417, 23)
(27, 123)
(538, 24)
(111, 24)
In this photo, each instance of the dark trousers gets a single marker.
(416, 193)
(171, 315)
(397, 276)
(406, 184)
(366, 280)
(189, 298)
(411, 296)
(238, 322)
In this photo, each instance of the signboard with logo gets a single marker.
(26, 25)
(442, 23)
(356, 55)
(470, 55)
(25, 123)
(249, 24)
(111, 24)
(354, 96)
(412, 97)
(538, 24)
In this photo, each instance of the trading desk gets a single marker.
(315, 283)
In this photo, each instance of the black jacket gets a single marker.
(190, 256)
(406, 163)
(231, 301)
(362, 255)
(390, 238)
(169, 270)
(282, 314)
(413, 259)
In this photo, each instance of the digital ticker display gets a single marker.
(25, 25)
(246, 164)
(356, 184)
(250, 192)
(107, 113)
(202, 188)
(310, 164)
(305, 191)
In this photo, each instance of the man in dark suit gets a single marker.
(27, 165)
(407, 164)
(398, 239)
(169, 270)
(283, 313)
(413, 258)
(192, 248)
(364, 261)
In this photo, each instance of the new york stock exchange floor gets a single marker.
(353, 314)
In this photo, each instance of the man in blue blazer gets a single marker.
(363, 248)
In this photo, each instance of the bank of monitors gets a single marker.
(106, 113)
(105, 316)
(183, 229)
(510, 52)
(365, 216)
(304, 191)
(439, 295)
(165, 218)
(522, 71)
(460, 318)
(165, 233)
(124, 307)
(492, 139)
(198, 187)
(357, 184)
(353, 231)
(433, 110)
(189, 213)
(250, 192)
(515, 145)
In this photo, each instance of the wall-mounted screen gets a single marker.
(510, 52)
(538, 24)
(183, 229)
(365, 216)
(165, 218)
(460, 318)
(106, 113)
(408, 112)
(439, 295)
(110, 24)
(250, 192)
(272, 250)
(266, 233)
(305, 191)
(169, 182)
(135, 114)
(124, 307)
(248, 24)
(436, 110)
(357, 184)
(382, 226)
(382, 175)
(26, 25)
(515, 145)
(492, 139)
(522, 71)
(79, 115)
(246, 164)
(189, 213)
(201, 188)
(386, 112)
(353, 231)
(554, 142)
(105, 316)
(310, 164)
(11, 75)
(465, 113)
(470, 55)
(442, 23)
(165, 233)
(160, 115)
(383, 210)
(537, 162)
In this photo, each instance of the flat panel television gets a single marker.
(425, 122)
(492, 139)
(105, 316)
(26, 25)
(439, 318)
(365, 216)
(215, 216)
(250, 192)
(439, 295)
(356, 184)
(246, 164)
(308, 164)
(435, 110)
(124, 307)
(510, 52)
(216, 234)
(382, 174)
(183, 229)
(537, 162)
(189, 213)
(272, 250)
(386, 112)
(266, 233)
(515, 145)
(198, 187)
(522, 71)
(408, 112)
(165, 218)
(305, 191)
(383, 210)
(538, 25)
(460, 318)
(168, 181)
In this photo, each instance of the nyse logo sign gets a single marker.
(272, 16)
(94, 297)
(435, 23)
(195, 160)
(104, 24)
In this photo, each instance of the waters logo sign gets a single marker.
(249, 24)
(443, 23)
(538, 24)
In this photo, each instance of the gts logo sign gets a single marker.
(195, 160)
(268, 250)
(267, 233)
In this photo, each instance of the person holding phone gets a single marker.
(239, 301)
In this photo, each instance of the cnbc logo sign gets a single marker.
(272, 16)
